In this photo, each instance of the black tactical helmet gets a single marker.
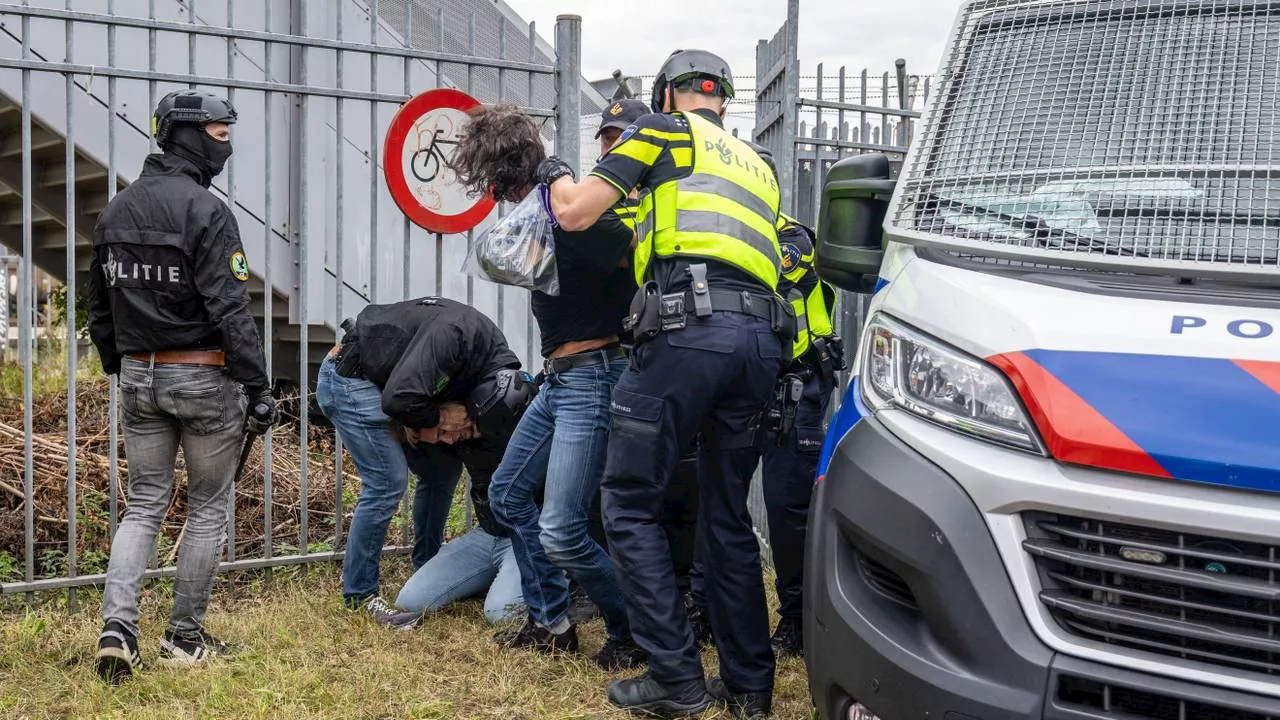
(497, 406)
(189, 107)
(684, 65)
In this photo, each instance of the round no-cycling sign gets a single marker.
(416, 162)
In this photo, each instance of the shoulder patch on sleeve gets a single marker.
(790, 256)
(631, 130)
(239, 266)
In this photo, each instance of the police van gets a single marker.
(1052, 488)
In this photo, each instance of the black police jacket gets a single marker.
(169, 273)
(425, 352)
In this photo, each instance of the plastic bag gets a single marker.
(519, 250)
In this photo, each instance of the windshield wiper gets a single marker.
(1041, 231)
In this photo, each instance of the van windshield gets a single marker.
(1142, 131)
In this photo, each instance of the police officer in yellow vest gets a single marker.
(708, 330)
(791, 458)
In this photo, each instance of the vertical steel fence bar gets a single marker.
(231, 202)
(789, 143)
(69, 34)
(471, 51)
(568, 90)
(884, 102)
(864, 130)
(113, 399)
(340, 179)
(268, 295)
(373, 154)
(844, 129)
(502, 98)
(152, 92)
(303, 235)
(531, 322)
(408, 69)
(26, 327)
(191, 42)
(815, 177)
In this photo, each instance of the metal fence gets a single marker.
(316, 83)
(807, 133)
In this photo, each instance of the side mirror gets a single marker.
(855, 199)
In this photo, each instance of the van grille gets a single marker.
(1209, 599)
(1125, 703)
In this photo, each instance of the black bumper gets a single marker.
(910, 611)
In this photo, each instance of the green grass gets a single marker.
(302, 656)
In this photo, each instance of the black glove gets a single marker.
(552, 169)
(261, 414)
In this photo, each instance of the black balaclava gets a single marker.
(201, 149)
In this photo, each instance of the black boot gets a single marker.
(620, 655)
(744, 706)
(646, 696)
(535, 637)
(788, 638)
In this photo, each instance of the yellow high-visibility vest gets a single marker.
(725, 210)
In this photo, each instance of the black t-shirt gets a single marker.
(657, 149)
(595, 293)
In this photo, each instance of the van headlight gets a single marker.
(923, 376)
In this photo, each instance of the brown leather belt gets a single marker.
(183, 357)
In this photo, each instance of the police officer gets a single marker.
(708, 329)
(680, 505)
(791, 456)
(169, 314)
(437, 374)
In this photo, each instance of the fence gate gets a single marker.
(316, 83)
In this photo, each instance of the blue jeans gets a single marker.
(354, 406)
(465, 567)
(561, 441)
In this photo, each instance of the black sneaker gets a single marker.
(118, 656)
(701, 625)
(535, 637)
(400, 619)
(620, 655)
(646, 696)
(581, 609)
(744, 706)
(190, 648)
(788, 638)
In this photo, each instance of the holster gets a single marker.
(347, 362)
(787, 394)
(644, 320)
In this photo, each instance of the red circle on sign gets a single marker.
(393, 163)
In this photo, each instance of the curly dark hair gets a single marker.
(498, 152)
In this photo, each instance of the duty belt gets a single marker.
(598, 356)
(675, 306)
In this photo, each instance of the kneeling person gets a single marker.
(481, 560)
(442, 370)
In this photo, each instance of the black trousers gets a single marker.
(788, 476)
(680, 521)
(715, 378)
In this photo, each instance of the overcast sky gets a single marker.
(636, 37)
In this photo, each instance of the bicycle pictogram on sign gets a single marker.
(418, 168)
